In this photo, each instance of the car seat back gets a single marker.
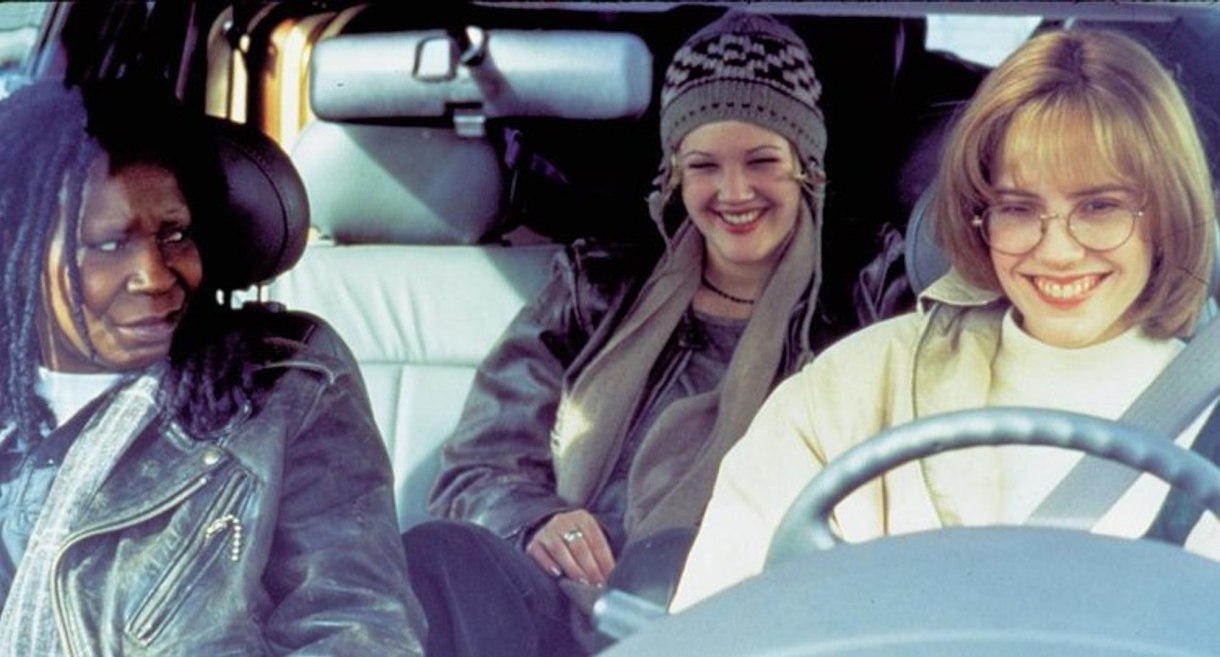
(405, 187)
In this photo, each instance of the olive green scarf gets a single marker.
(671, 479)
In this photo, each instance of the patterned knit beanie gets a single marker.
(745, 67)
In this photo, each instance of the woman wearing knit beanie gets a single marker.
(599, 422)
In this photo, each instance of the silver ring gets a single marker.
(572, 535)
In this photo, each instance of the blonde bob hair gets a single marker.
(1106, 93)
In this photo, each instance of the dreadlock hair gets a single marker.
(54, 135)
(45, 151)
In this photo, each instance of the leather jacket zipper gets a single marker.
(58, 595)
(149, 618)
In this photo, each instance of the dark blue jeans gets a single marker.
(483, 597)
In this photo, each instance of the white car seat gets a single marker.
(403, 184)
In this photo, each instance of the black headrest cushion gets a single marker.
(268, 210)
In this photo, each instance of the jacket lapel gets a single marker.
(162, 464)
(961, 335)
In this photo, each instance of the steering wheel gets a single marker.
(806, 526)
(999, 591)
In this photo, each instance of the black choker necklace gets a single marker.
(719, 292)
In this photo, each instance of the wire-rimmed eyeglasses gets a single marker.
(1096, 224)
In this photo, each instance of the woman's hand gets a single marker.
(572, 544)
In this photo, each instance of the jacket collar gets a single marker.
(961, 333)
(954, 290)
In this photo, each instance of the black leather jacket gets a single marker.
(496, 469)
(276, 537)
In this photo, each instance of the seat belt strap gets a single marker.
(1180, 513)
(1178, 395)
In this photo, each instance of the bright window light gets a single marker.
(985, 40)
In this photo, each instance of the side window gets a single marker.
(19, 23)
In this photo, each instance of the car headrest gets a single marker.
(393, 185)
(501, 73)
(925, 262)
(268, 212)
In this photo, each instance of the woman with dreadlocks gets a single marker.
(176, 477)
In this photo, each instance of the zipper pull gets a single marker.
(222, 523)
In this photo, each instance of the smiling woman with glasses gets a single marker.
(1075, 204)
